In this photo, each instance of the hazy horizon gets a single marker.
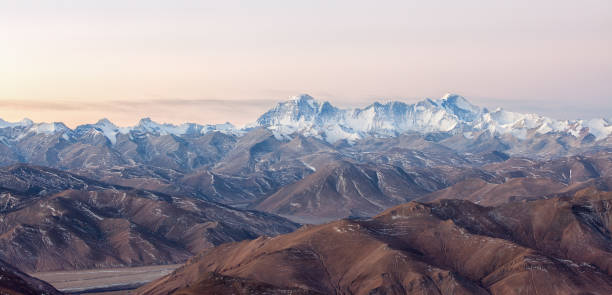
(125, 113)
(211, 62)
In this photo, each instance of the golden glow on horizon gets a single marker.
(99, 53)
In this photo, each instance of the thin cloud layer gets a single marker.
(242, 111)
(128, 112)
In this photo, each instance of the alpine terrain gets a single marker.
(435, 197)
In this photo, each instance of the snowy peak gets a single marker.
(457, 101)
(303, 114)
(104, 122)
(301, 108)
(146, 125)
(305, 99)
(28, 126)
(227, 128)
(460, 107)
(107, 128)
(451, 113)
(600, 128)
(307, 116)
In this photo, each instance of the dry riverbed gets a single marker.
(104, 281)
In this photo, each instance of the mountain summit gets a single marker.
(451, 113)
(308, 116)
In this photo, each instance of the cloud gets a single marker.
(38, 105)
(68, 105)
(127, 112)
(557, 109)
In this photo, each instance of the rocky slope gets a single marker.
(216, 284)
(525, 179)
(342, 189)
(56, 220)
(555, 246)
(312, 182)
(491, 194)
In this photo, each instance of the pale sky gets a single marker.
(217, 61)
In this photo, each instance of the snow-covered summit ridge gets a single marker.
(451, 113)
(111, 131)
(308, 116)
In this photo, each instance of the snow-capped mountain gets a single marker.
(451, 113)
(109, 130)
(307, 116)
(148, 126)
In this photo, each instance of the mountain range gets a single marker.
(312, 162)
(451, 114)
(302, 189)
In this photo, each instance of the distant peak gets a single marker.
(455, 99)
(105, 122)
(303, 97)
(451, 95)
(460, 106)
(49, 128)
(305, 100)
(23, 123)
(26, 121)
(146, 120)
